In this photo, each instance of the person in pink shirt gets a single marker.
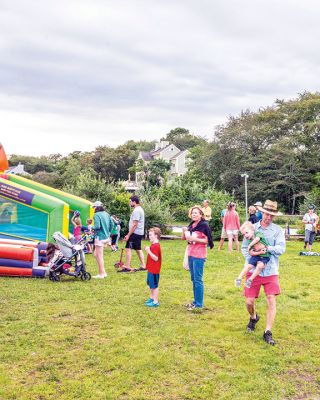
(231, 224)
(77, 225)
(198, 235)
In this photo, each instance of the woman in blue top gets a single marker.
(102, 227)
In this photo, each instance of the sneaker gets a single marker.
(124, 270)
(252, 324)
(148, 301)
(99, 276)
(267, 337)
(153, 304)
(248, 283)
(237, 283)
(191, 307)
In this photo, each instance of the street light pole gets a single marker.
(246, 176)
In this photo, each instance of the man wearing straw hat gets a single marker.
(269, 276)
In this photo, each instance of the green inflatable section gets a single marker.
(74, 202)
(29, 214)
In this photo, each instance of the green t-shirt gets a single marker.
(264, 241)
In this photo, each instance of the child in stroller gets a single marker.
(67, 258)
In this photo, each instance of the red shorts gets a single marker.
(270, 285)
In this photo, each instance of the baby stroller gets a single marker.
(70, 260)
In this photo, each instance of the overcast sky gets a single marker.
(78, 74)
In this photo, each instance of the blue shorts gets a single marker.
(255, 259)
(153, 280)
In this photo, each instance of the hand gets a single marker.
(184, 228)
(147, 248)
(126, 238)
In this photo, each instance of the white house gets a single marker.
(17, 170)
(169, 152)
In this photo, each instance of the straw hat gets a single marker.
(270, 207)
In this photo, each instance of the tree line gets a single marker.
(277, 146)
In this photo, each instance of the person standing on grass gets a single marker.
(269, 276)
(252, 215)
(198, 235)
(102, 227)
(153, 265)
(310, 220)
(258, 213)
(207, 210)
(223, 232)
(231, 224)
(134, 236)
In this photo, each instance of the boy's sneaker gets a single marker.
(191, 307)
(267, 337)
(248, 283)
(153, 304)
(237, 283)
(148, 301)
(252, 323)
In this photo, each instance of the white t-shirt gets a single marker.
(137, 215)
(310, 219)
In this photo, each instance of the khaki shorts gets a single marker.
(223, 234)
(102, 243)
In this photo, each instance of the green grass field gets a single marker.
(97, 340)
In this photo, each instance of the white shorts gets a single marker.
(233, 232)
(102, 243)
(223, 234)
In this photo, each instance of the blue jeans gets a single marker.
(196, 272)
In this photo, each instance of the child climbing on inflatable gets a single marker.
(258, 251)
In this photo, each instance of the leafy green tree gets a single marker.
(183, 139)
(278, 147)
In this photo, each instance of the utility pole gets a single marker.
(246, 176)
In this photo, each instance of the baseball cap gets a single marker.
(258, 203)
(97, 204)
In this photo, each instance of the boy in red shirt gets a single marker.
(153, 266)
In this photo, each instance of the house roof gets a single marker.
(179, 154)
(146, 155)
(158, 151)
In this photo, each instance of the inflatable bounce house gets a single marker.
(29, 215)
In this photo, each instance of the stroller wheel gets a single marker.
(86, 276)
(54, 278)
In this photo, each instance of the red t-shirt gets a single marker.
(154, 266)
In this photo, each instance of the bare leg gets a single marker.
(221, 244)
(251, 307)
(141, 258)
(271, 311)
(128, 259)
(230, 238)
(98, 254)
(245, 270)
(155, 295)
(260, 266)
(236, 241)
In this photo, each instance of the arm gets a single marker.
(131, 230)
(198, 240)
(279, 246)
(96, 223)
(72, 220)
(254, 241)
(153, 256)
(238, 222)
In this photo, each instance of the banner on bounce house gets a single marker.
(28, 214)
